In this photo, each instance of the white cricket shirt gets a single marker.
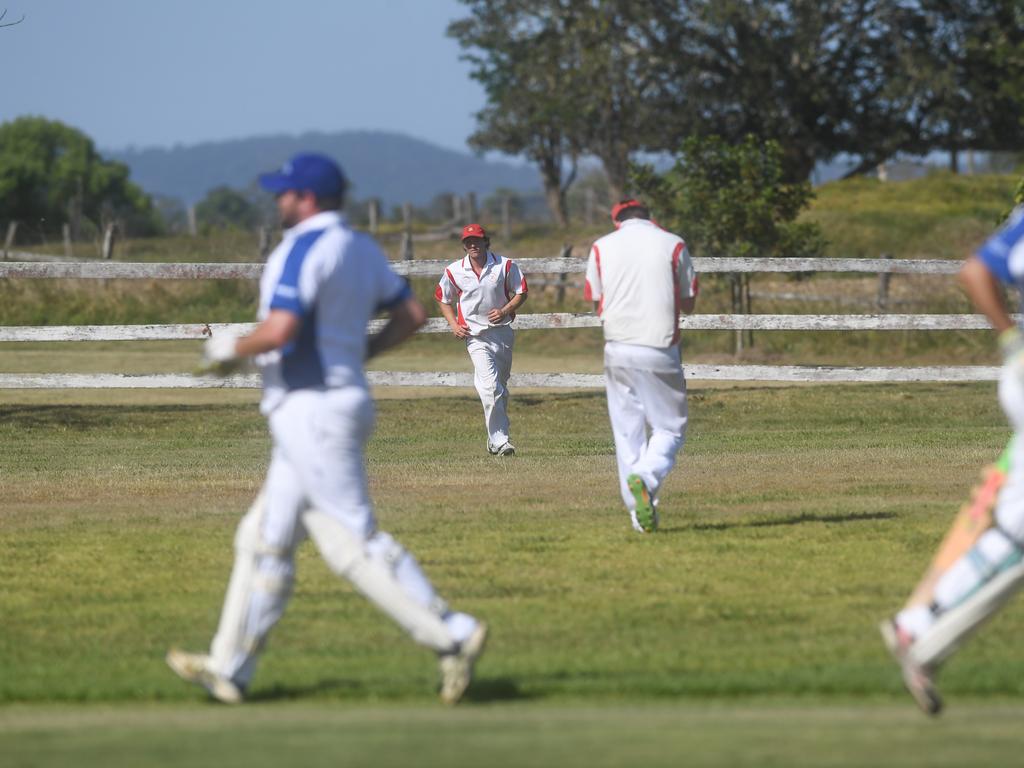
(476, 295)
(335, 279)
(639, 275)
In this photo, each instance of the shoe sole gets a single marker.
(470, 652)
(917, 681)
(219, 688)
(645, 513)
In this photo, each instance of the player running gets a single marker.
(486, 290)
(320, 288)
(988, 568)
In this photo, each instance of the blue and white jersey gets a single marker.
(335, 280)
(1003, 253)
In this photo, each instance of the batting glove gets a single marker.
(1011, 342)
(219, 356)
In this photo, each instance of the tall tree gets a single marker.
(964, 62)
(51, 173)
(813, 76)
(525, 53)
(624, 108)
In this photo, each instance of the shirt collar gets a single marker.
(492, 258)
(320, 220)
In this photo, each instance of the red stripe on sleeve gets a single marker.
(677, 291)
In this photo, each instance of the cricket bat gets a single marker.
(974, 518)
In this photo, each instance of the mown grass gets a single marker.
(742, 634)
(940, 216)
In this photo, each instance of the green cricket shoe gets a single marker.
(646, 515)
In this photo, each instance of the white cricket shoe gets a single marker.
(195, 668)
(918, 680)
(505, 449)
(457, 667)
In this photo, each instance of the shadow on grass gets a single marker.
(482, 691)
(790, 520)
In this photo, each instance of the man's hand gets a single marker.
(496, 315)
(220, 356)
(459, 331)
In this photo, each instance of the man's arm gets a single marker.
(687, 305)
(459, 331)
(982, 288)
(276, 330)
(497, 315)
(224, 353)
(406, 318)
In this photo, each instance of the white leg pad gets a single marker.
(346, 554)
(953, 627)
(257, 593)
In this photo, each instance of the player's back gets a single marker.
(638, 266)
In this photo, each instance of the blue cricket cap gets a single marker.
(307, 172)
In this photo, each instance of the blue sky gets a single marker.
(160, 72)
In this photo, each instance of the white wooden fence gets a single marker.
(233, 271)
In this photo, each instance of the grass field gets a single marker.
(742, 634)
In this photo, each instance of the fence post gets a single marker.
(471, 206)
(263, 242)
(109, 238)
(457, 214)
(373, 212)
(407, 252)
(590, 203)
(563, 276)
(66, 232)
(506, 219)
(12, 230)
(736, 286)
(882, 299)
(192, 228)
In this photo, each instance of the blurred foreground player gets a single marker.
(320, 288)
(980, 565)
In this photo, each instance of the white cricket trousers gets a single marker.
(999, 544)
(491, 353)
(648, 412)
(317, 461)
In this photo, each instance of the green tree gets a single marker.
(227, 208)
(51, 173)
(526, 55)
(732, 200)
(965, 64)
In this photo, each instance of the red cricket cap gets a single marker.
(473, 230)
(625, 204)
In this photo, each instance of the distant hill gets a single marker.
(391, 166)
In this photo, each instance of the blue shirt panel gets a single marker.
(286, 292)
(995, 253)
(301, 364)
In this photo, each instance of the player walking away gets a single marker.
(486, 290)
(320, 287)
(984, 555)
(640, 278)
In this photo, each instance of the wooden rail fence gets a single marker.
(106, 270)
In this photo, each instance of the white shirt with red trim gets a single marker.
(476, 295)
(639, 275)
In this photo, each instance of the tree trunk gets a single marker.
(554, 191)
(557, 204)
(616, 168)
(954, 160)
